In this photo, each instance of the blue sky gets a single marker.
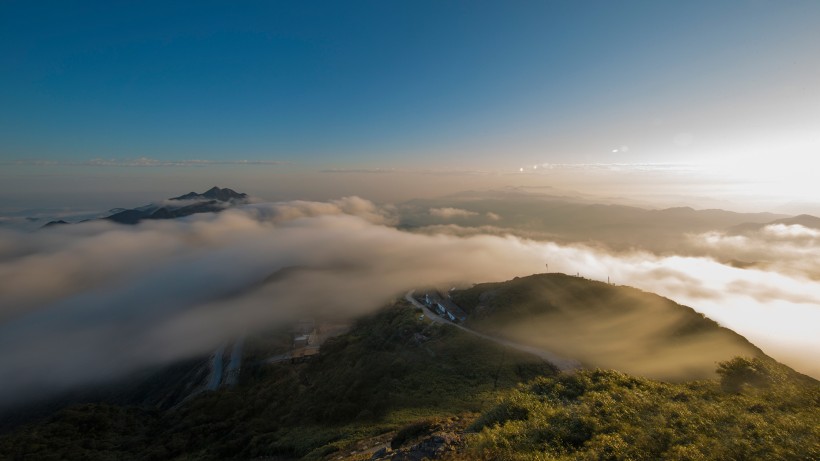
(404, 84)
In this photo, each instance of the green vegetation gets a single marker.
(604, 326)
(772, 413)
(494, 305)
(395, 379)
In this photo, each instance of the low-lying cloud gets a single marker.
(791, 249)
(89, 302)
(450, 212)
(447, 213)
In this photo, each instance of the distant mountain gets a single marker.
(569, 220)
(214, 193)
(54, 223)
(210, 201)
(805, 220)
(603, 325)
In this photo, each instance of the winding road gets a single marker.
(216, 369)
(563, 363)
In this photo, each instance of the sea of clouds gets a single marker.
(90, 302)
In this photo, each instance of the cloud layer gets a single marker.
(93, 301)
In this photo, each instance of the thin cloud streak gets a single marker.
(142, 162)
(450, 212)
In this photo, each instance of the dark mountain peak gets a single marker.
(55, 223)
(223, 195)
(188, 196)
(214, 193)
(213, 200)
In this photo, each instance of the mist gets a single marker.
(92, 302)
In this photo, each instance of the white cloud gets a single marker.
(450, 213)
(90, 301)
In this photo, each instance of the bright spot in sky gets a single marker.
(521, 169)
(614, 151)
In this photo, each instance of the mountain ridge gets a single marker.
(213, 200)
(604, 325)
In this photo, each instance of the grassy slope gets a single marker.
(766, 413)
(604, 325)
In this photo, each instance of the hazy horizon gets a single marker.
(101, 187)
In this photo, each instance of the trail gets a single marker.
(234, 366)
(563, 363)
(216, 369)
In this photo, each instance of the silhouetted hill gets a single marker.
(211, 201)
(214, 193)
(604, 325)
(54, 223)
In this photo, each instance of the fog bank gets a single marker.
(93, 301)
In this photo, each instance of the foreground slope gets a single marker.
(758, 410)
(398, 387)
(603, 325)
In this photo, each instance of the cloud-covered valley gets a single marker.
(94, 301)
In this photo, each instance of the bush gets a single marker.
(739, 372)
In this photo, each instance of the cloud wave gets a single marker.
(88, 302)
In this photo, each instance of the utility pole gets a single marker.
(498, 371)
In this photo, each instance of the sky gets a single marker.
(92, 88)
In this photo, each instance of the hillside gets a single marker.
(604, 325)
(399, 387)
(758, 410)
